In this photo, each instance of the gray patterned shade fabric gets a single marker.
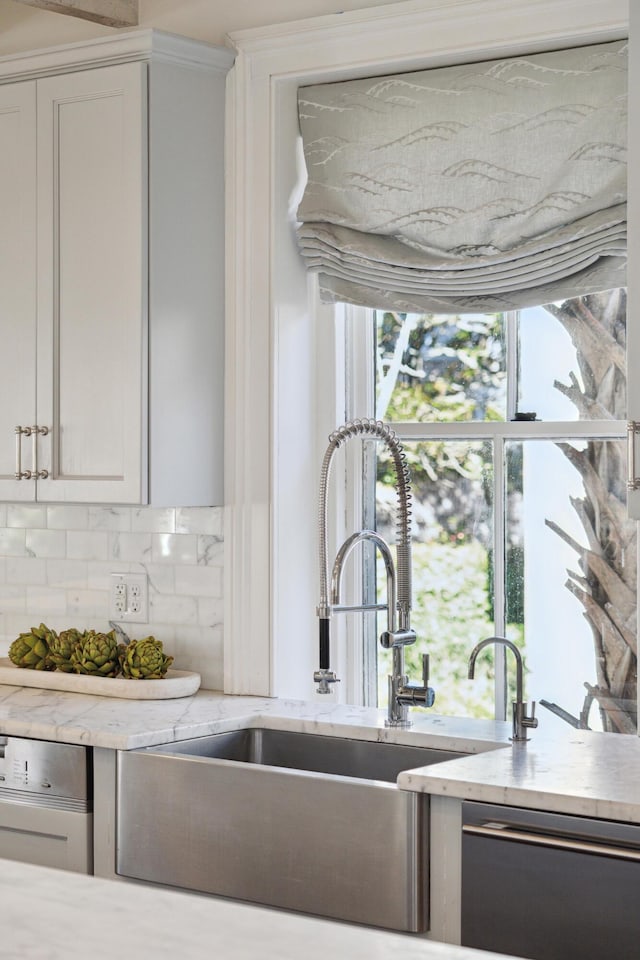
(477, 187)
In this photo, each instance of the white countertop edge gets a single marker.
(78, 915)
(586, 773)
(547, 800)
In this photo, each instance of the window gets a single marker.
(514, 428)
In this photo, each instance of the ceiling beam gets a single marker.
(112, 13)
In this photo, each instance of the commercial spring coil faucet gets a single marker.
(402, 692)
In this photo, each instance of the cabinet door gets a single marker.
(17, 281)
(91, 387)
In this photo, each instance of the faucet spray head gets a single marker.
(324, 677)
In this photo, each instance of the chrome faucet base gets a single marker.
(402, 724)
(404, 693)
(521, 720)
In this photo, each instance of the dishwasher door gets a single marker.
(45, 804)
(549, 886)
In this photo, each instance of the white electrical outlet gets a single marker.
(129, 597)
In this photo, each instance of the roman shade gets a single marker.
(476, 187)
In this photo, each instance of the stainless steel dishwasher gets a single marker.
(549, 886)
(45, 803)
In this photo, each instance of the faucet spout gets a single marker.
(376, 430)
(338, 567)
(521, 721)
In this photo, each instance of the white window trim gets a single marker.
(279, 411)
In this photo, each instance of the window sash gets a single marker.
(513, 430)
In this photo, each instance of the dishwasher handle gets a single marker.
(501, 831)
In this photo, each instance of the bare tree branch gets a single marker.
(616, 589)
(585, 330)
(614, 709)
(588, 409)
(606, 589)
(579, 549)
(594, 486)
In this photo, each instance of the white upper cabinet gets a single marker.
(91, 284)
(112, 308)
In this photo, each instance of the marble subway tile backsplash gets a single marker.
(56, 561)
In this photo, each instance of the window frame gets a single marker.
(361, 353)
(283, 350)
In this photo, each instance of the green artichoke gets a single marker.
(61, 649)
(144, 660)
(96, 654)
(31, 650)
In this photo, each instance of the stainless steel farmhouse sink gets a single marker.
(294, 820)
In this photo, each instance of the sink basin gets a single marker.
(337, 756)
(301, 821)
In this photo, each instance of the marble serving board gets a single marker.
(177, 683)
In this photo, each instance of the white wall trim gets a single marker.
(270, 637)
(368, 27)
(633, 252)
(247, 654)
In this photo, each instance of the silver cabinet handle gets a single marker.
(633, 428)
(32, 432)
(43, 431)
(20, 473)
(499, 831)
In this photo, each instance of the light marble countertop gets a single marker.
(76, 916)
(563, 770)
(581, 772)
(128, 724)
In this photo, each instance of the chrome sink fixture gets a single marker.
(299, 821)
(521, 721)
(402, 692)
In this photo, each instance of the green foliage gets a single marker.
(450, 616)
(514, 577)
(452, 370)
(443, 369)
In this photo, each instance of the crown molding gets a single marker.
(123, 47)
(417, 30)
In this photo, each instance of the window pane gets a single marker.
(440, 368)
(571, 575)
(452, 534)
(571, 359)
